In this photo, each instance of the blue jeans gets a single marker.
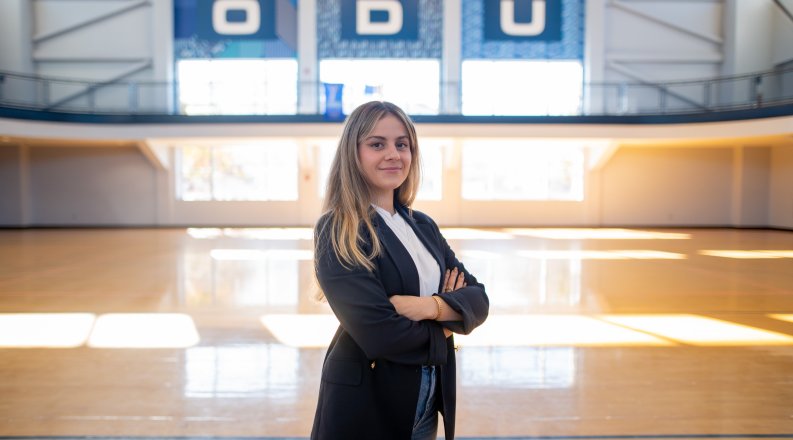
(425, 425)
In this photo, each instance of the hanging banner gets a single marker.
(379, 28)
(235, 28)
(523, 29)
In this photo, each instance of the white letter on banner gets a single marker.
(363, 16)
(535, 27)
(253, 17)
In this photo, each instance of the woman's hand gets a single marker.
(453, 279)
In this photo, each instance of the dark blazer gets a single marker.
(372, 370)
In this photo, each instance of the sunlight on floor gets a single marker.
(699, 330)
(596, 234)
(54, 330)
(636, 254)
(143, 330)
(748, 254)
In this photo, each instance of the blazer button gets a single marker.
(372, 365)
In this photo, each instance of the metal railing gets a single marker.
(757, 90)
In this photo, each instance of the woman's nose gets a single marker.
(392, 152)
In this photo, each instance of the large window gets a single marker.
(522, 170)
(517, 87)
(411, 84)
(228, 87)
(262, 171)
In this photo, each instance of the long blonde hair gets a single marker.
(348, 196)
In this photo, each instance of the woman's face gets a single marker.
(385, 156)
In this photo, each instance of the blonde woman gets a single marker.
(394, 284)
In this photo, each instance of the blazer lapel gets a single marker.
(424, 236)
(399, 255)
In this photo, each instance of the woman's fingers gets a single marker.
(460, 281)
(453, 279)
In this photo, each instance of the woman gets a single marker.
(390, 367)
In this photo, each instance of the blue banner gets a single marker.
(523, 29)
(379, 28)
(235, 28)
(537, 20)
(380, 20)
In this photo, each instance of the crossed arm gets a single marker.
(418, 308)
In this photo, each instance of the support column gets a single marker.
(16, 36)
(307, 63)
(163, 55)
(451, 85)
(594, 56)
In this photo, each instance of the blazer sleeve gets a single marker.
(471, 301)
(360, 302)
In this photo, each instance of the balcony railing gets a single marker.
(751, 91)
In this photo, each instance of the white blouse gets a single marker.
(428, 269)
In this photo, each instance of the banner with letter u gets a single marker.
(523, 29)
(235, 28)
(379, 28)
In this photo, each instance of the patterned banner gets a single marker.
(379, 28)
(523, 29)
(235, 28)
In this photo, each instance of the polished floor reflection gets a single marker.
(215, 332)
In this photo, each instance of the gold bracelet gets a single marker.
(438, 302)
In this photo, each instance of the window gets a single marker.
(522, 170)
(431, 168)
(410, 84)
(521, 87)
(229, 87)
(264, 171)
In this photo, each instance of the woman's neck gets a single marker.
(386, 202)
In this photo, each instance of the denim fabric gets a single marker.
(425, 425)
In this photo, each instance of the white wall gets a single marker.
(783, 35)
(668, 186)
(750, 192)
(12, 177)
(781, 188)
(749, 36)
(92, 186)
(100, 41)
(651, 42)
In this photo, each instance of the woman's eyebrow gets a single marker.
(382, 138)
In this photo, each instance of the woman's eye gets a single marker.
(402, 146)
(377, 145)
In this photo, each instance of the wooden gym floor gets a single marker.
(593, 333)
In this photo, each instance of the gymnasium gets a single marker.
(617, 173)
